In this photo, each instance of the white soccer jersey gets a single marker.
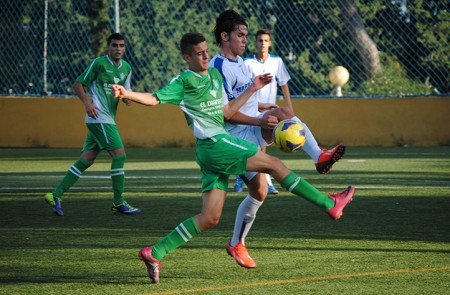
(273, 65)
(236, 79)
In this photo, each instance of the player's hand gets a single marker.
(266, 106)
(118, 91)
(262, 80)
(127, 102)
(91, 110)
(268, 122)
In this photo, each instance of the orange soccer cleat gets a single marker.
(240, 254)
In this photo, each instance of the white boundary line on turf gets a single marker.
(156, 187)
(350, 179)
(102, 176)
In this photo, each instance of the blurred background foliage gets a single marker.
(391, 48)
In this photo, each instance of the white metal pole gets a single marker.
(45, 46)
(117, 16)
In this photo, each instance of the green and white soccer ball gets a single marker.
(289, 136)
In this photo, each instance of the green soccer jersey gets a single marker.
(100, 75)
(200, 98)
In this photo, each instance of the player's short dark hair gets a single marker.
(115, 36)
(227, 22)
(262, 32)
(189, 40)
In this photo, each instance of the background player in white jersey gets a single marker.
(231, 33)
(263, 62)
(100, 74)
(198, 92)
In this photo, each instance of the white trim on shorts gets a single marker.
(252, 134)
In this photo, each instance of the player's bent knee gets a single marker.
(211, 222)
(119, 158)
(206, 222)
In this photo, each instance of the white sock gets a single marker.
(311, 146)
(245, 216)
(269, 179)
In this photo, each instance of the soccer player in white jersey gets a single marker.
(263, 62)
(100, 74)
(231, 33)
(198, 91)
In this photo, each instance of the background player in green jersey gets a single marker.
(101, 73)
(198, 91)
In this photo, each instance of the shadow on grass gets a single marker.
(90, 219)
(89, 239)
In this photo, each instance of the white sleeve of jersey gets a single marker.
(229, 79)
(283, 75)
(224, 96)
(127, 84)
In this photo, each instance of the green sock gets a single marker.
(184, 232)
(72, 175)
(118, 177)
(302, 188)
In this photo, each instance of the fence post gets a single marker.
(116, 16)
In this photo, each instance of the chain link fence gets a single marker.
(391, 48)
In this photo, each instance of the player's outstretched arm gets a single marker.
(233, 106)
(140, 97)
(262, 107)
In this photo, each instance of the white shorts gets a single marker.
(250, 133)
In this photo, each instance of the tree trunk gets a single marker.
(99, 23)
(366, 47)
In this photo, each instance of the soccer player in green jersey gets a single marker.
(199, 93)
(101, 111)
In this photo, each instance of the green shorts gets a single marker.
(222, 156)
(102, 137)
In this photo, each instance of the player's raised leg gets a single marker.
(327, 158)
(324, 159)
(333, 204)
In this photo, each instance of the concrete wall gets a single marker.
(59, 122)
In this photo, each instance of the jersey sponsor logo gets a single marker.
(209, 103)
(213, 93)
(243, 88)
(212, 107)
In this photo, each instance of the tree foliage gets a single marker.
(310, 35)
